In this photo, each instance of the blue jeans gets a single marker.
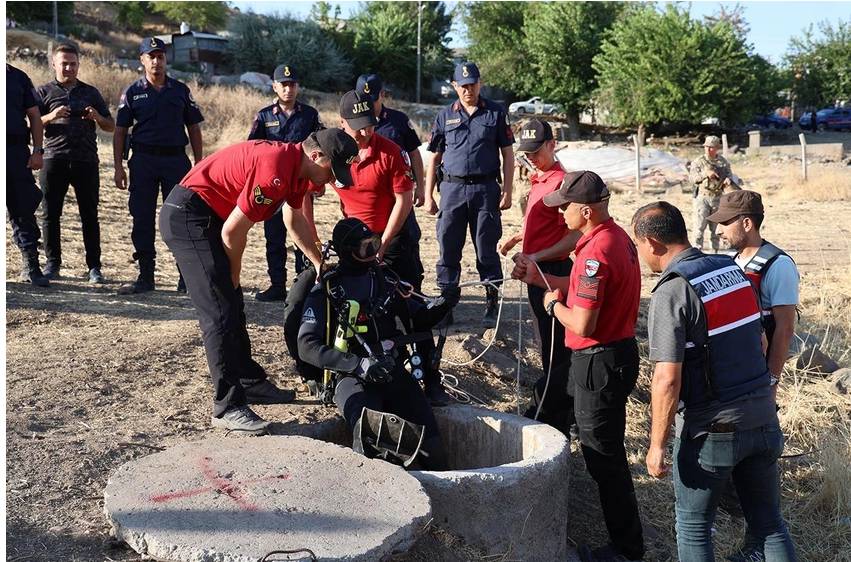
(702, 467)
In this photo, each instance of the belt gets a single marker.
(159, 150)
(17, 140)
(603, 347)
(472, 179)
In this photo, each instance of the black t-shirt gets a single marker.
(72, 138)
(20, 96)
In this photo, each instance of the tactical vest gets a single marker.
(755, 270)
(730, 364)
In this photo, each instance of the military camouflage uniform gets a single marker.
(707, 194)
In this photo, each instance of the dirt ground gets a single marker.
(94, 379)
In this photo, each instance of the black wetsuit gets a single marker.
(381, 305)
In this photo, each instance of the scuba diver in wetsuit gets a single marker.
(349, 328)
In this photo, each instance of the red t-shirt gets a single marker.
(257, 176)
(605, 275)
(381, 173)
(543, 226)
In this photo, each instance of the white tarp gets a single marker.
(617, 164)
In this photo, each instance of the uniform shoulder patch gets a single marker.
(588, 287)
(591, 267)
(259, 198)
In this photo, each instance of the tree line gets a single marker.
(644, 65)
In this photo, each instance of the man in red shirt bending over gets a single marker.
(598, 306)
(205, 222)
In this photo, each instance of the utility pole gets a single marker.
(419, 47)
(55, 20)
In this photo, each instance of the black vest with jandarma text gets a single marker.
(731, 363)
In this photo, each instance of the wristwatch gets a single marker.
(772, 380)
(38, 150)
(551, 307)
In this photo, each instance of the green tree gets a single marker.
(560, 42)
(27, 12)
(260, 43)
(494, 32)
(821, 66)
(683, 72)
(205, 16)
(385, 41)
(131, 14)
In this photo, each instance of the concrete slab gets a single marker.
(235, 499)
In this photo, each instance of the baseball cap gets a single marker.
(151, 44)
(341, 149)
(582, 187)
(357, 110)
(284, 73)
(712, 141)
(370, 85)
(466, 73)
(534, 134)
(735, 203)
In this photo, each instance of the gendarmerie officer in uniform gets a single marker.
(367, 356)
(205, 223)
(22, 194)
(161, 111)
(71, 112)
(286, 120)
(712, 382)
(467, 139)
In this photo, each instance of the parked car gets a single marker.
(533, 105)
(829, 118)
(771, 121)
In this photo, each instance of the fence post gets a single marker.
(803, 140)
(637, 162)
(726, 151)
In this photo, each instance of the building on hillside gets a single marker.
(193, 50)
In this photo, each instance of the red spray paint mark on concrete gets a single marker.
(235, 490)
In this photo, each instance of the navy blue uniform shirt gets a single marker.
(396, 126)
(161, 116)
(471, 143)
(272, 123)
(75, 138)
(20, 96)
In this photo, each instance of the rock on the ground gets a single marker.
(813, 359)
(840, 381)
(498, 362)
(237, 499)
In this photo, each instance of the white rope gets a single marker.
(552, 347)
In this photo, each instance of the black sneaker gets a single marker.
(491, 308)
(272, 294)
(51, 271)
(437, 395)
(264, 392)
(241, 418)
(606, 553)
(138, 286)
(95, 276)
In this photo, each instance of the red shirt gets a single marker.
(605, 275)
(381, 173)
(543, 226)
(256, 176)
